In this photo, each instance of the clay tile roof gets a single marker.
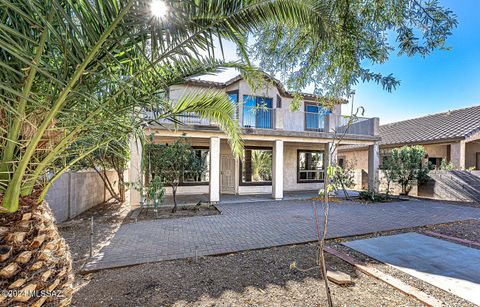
(454, 124)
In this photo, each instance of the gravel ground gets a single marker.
(469, 230)
(261, 277)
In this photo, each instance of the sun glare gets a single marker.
(158, 8)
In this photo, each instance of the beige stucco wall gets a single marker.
(357, 158)
(437, 151)
(178, 91)
(290, 168)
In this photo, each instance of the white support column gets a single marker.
(135, 174)
(277, 182)
(214, 188)
(373, 167)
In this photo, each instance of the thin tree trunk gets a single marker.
(121, 185)
(323, 265)
(106, 181)
(174, 194)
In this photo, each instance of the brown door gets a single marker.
(227, 174)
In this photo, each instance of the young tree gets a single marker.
(170, 162)
(410, 165)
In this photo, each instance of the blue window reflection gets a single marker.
(257, 112)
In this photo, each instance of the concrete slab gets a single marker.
(452, 267)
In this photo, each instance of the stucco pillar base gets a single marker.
(373, 167)
(277, 182)
(214, 185)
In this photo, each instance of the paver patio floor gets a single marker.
(264, 224)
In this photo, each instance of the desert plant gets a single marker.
(389, 167)
(155, 191)
(410, 166)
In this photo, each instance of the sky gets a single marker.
(442, 81)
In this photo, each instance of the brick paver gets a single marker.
(265, 224)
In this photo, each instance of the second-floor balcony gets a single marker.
(280, 119)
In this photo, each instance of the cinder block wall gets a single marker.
(76, 192)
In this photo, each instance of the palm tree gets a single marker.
(74, 74)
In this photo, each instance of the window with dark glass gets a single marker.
(279, 102)
(315, 117)
(310, 166)
(233, 96)
(203, 157)
(434, 162)
(256, 166)
(257, 112)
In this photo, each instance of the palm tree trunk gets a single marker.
(34, 257)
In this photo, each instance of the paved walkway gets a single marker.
(264, 224)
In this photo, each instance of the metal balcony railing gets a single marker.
(260, 117)
(184, 119)
(315, 121)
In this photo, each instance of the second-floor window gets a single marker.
(257, 112)
(233, 96)
(315, 116)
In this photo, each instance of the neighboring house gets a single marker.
(452, 136)
(284, 150)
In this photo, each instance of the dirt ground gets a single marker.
(166, 212)
(260, 277)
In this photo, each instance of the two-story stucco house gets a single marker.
(283, 150)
